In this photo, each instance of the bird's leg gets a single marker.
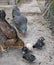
(2, 49)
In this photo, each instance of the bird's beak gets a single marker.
(24, 34)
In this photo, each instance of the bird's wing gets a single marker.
(19, 20)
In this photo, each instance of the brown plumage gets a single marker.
(8, 35)
(12, 42)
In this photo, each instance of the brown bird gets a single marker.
(9, 43)
(8, 35)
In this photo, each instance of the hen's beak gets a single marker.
(24, 34)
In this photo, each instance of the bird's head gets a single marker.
(2, 14)
(41, 38)
(16, 11)
(16, 8)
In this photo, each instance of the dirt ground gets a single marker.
(37, 27)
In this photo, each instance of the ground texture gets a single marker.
(37, 27)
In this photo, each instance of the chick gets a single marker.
(25, 50)
(19, 20)
(40, 43)
(29, 57)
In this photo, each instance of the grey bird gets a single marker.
(40, 43)
(20, 21)
(16, 12)
(29, 57)
(25, 50)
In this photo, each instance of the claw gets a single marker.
(2, 49)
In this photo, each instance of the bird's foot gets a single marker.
(3, 50)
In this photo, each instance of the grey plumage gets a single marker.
(16, 12)
(20, 20)
(25, 50)
(40, 43)
(29, 57)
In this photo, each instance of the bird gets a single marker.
(25, 50)
(16, 11)
(29, 46)
(2, 14)
(3, 38)
(19, 20)
(40, 43)
(6, 28)
(8, 35)
(29, 57)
